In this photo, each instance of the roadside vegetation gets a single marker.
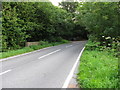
(33, 22)
(42, 44)
(41, 21)
(99, 64)
(98, 68)
(36, 21)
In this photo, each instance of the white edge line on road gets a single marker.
(5, 72)
(23, 54)
(66, 83)
(49, 54)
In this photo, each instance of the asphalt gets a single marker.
(46, 68)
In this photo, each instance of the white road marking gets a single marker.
(49, 54)
(69, 46)
(23, 54)
(5, 72)
(66, 83)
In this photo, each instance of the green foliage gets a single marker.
(43, 44)
(69, 6)
(13, 28)
(99, 64)
(95, 61)
(98, 69)
(112, 45)
(34, 21)
(35, 47)
(64, 41)
(92, 45)
(0, 30)
(15, 52)
(74, 31)
(100, 19)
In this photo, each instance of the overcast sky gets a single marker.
(55, 2)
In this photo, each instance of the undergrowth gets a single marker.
(30, 48)
(98, 68)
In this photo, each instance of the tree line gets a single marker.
(35, 21)
(42, 21)
(101, 20)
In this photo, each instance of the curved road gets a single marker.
(44, 68)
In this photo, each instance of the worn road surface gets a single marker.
(46, 68)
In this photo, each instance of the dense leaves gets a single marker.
(33, 21)
(36, 21)
(41, 21)
(69, 5)
(99, 67)
(13, 27)
(98, 70)
(78, 31)
(100, 19)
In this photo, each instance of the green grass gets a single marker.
(98, 69)
(29, 49)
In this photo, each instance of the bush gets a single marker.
(64, 41)
(98, 69)
(109, 44)
(92, 45)
(58, 39)
(43, 42)
(28, 49)
(35, 47)
(15, 52)
(99, 66)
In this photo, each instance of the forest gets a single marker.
(32, 21)
(97, 22)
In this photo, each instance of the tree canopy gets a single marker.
(100, 18)
(36, 21)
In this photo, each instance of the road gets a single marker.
(46, 68)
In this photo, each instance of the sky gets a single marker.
(55, 2)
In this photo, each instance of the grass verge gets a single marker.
(98, 69)
(29, 49)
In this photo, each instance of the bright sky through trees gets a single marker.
(55, 2)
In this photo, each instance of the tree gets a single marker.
(99, 20)
(78, 32)
(69, 6)
(12, 27)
